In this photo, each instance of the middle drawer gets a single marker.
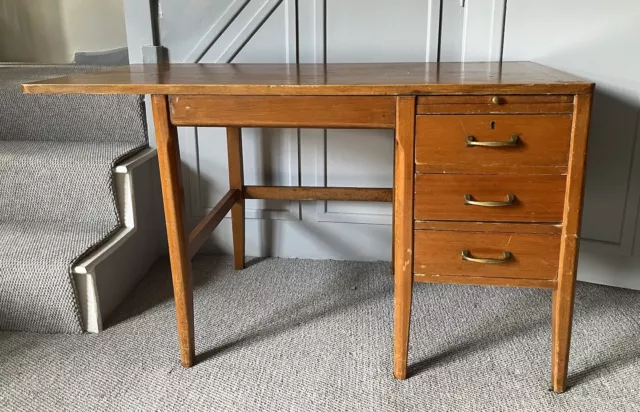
(499, 198)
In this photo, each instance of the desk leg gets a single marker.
(403, 231)
(173, 199)
(563, 295)
(236, 181)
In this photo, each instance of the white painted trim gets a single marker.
(630, 220)
(85, 270)
(87, 265)
(89, 301)
(134, 161)
(433, 30)
(190, 145)
(126, 207)
(260, 15)
(497, 30)
(139, 29)
(482, 30)
(215, 31)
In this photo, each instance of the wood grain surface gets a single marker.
(537, 198)
(173, 201)
(563, 296)
(542, 145)
(403, 232)
(488, 227)
(364, 194)
(534, 256)
(371, 112)
(320, 79)
(495, 104)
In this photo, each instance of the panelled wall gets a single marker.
(586, 40)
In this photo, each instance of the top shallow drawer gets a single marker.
(495, 104)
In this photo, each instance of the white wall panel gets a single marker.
(472, 30)
(598, 41)
(381, 31)
(263, 35)
(593, 39)
(188, 27)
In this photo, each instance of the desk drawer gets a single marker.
(538, 198)
(495, 104)
(529, 143)
(511, 255)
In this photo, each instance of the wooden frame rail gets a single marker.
(318, 193)
(201, 233)
(368, 112)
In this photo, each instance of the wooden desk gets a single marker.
(489, 166)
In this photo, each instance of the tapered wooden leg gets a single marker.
(403, 232)
(236, 181)
(562, 317)
(173, 199)
(563, 295)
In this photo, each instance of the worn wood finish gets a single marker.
(372, 112)
(537, 198)
(505, 100)
(236, 182)
(485, 281)
(319, 193)
(403, 230)
(488, 227)
(173, 200)
(543, 143)
(490, 101)
(347, 79)
(534, 255)
(202, 231)
(494, 104)
(563, 296)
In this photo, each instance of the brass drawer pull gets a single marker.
(466, 255)
(495, 203)
(513, 141)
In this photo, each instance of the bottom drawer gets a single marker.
(481, 254)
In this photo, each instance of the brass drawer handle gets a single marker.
(466, 255)
(496, 203)
(513, 141)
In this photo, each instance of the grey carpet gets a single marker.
(300, 335)
(57, 200)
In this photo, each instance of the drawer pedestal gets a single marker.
(496, 189)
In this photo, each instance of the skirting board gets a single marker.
(105, 277)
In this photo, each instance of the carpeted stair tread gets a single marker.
(60, 179)
(41, 251)
(65, 117)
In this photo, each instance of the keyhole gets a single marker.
(492, 125)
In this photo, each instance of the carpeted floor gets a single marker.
(300, 335)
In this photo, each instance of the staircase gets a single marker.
(63, 216)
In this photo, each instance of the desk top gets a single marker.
(319, 79)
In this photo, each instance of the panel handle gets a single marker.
(466, 255)
(512, 142)
(468, 200)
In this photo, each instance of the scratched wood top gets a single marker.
(319, 79)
